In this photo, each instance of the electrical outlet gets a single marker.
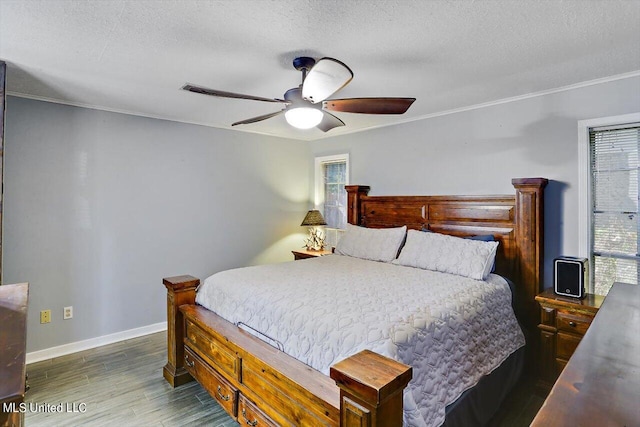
(68, 313)
(45, 316)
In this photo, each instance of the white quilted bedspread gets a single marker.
(451, 329)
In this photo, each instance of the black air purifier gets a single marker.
(570, 275)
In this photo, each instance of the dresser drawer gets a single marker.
(572, 323)
(221, 390)
(250, 415)
(566, 344)
(212, 350)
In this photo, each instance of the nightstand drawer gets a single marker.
(572, 323)
(566, 344)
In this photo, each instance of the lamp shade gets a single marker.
(313, 218)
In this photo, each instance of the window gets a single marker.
(332, 174)
(613, 227)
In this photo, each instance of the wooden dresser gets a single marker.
(600, 385)
(13, 340)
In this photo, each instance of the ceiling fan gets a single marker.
(307, 106)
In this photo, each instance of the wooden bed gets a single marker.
(258, 384)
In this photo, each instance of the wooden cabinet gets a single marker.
(563, 323)
(3, 80)
(13, 339)
(304, 254)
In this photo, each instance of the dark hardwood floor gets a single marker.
(520, 407)
(122, 385)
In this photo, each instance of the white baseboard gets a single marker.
(62, 350)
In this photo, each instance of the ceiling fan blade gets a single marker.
(329, 121)
(324, 79)
(223, 94)
(369, 105)
(258, 118)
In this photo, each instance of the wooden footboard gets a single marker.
(258, 384)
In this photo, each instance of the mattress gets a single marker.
(452, 330)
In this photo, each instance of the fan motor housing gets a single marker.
(303, 63)
(294, 95)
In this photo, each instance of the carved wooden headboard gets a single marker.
(516, 221)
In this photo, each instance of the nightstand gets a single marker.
(563, 323)
(304, 254)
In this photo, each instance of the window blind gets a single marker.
(615, 223)
(335, 197)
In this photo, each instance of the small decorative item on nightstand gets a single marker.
(315, 241)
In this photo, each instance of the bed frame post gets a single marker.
(180, 290)
(529, 228)
(354, 193)
(371, 389)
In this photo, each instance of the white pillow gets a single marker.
(448, 254)
(376, 244)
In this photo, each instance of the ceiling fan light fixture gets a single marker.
(307, 105)
(303, 117)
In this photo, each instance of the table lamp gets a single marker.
(315, 241)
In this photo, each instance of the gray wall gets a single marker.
(479, 151)
(100, 206)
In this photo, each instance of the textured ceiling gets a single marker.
(133, 56)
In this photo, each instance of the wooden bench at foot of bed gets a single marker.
(259, 385)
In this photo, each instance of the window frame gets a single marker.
(319, 177)
(585, 182)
